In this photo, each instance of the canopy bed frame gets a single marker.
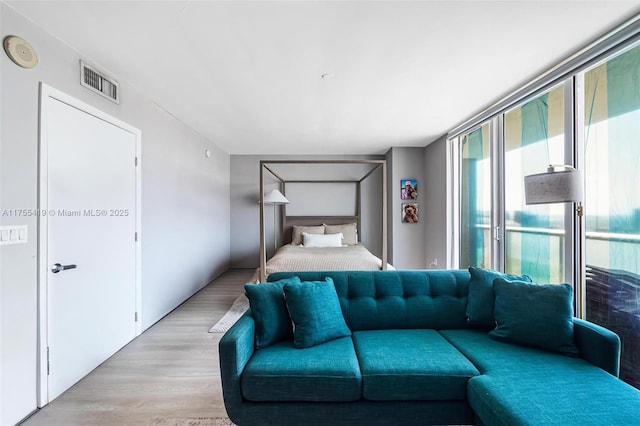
(287, 222)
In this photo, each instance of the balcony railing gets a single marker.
(612, 293)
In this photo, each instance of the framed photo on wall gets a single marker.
(409, 189)
(409, 212)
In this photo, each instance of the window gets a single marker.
(475, 199)
(612, 202)
(497, 229)
(534, 237)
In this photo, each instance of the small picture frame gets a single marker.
(409, 212)
(409, 189)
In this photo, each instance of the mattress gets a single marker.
(297, 258)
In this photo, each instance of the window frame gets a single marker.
(573, 70)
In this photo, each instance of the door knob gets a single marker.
(58, 267)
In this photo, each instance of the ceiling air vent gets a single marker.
(98, 82)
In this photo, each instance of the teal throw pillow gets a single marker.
(480, 301)
(538, 315)
(314, 308)
(269, 311)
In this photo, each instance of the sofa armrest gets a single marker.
(235, 349)
(598, 345)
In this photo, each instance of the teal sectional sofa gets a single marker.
(414, 353)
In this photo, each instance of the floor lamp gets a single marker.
(561, 186)
(275, 197)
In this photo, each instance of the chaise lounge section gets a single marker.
(415, 352)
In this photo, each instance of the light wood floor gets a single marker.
(169, 371)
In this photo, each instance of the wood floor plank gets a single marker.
(171, 370)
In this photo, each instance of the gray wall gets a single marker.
(435, 196)
(371, 216)
(332, 199)
(185, 204)
(407, 239)
(416, 246)
(245, 211)
(391, 207)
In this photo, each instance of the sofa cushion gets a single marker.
(539, 315)
(481, 297)
(270, 311)
(493, 356)
(522, 385)
(582, 395)
(407, 365)
(281, 372)
(315, 311)
(375, 300)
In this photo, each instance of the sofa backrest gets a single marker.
(374, 300)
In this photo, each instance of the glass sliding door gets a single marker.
(475, 198)
(603, 104)
(612, 202)
(534, 234)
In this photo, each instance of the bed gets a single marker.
(295, 257)
(299, 258)
(351, 254)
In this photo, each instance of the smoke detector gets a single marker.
(20, 52)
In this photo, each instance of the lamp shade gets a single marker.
(554, 186)
(275, 197)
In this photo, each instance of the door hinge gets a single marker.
(135, 236)
(136, 161)
(48, 365)
(135, 316)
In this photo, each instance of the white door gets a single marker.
(90, 198)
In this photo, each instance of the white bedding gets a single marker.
(350, 258)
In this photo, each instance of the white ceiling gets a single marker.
(246, 75)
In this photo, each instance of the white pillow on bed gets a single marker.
(322, 240)
(296, 232)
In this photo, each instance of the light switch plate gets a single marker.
(16, 234)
